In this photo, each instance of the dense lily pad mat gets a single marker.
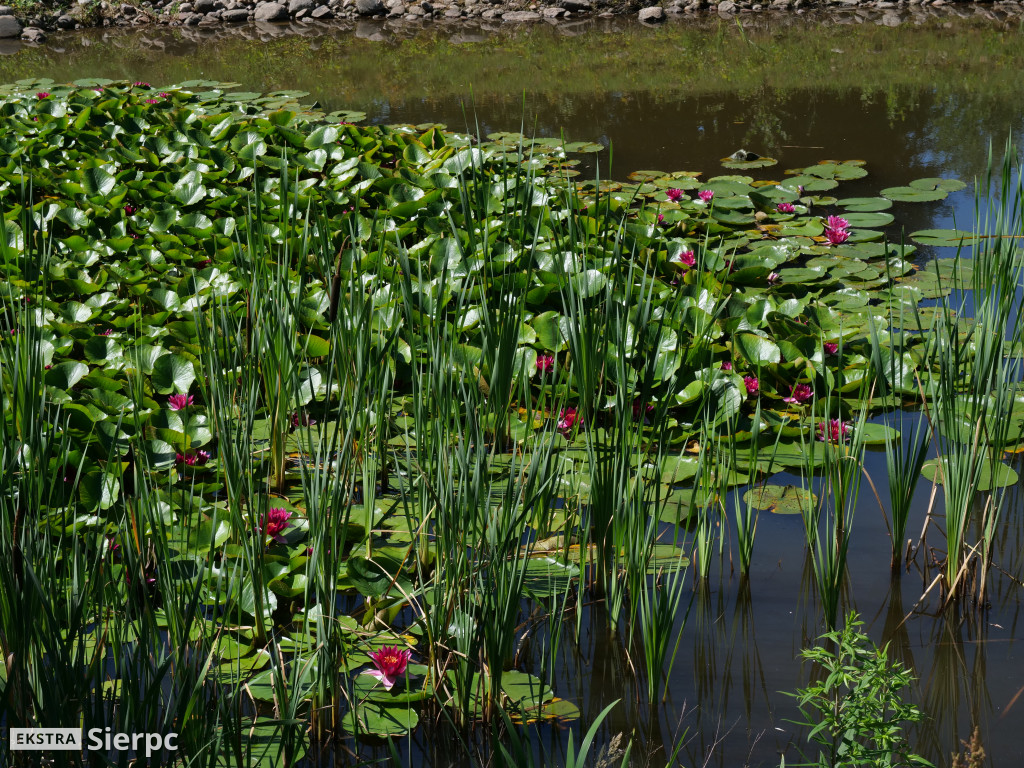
(133, 215)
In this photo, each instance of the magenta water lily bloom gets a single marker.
(726, 365)
(836, 236)
(785, 208)
(177, 402)
(675, 195)
(833, 431)
(390, 664)
(830, 347)
(274, 523)
(836, 222)
(567, 419)
(192, 458)
(707, 195)
(686, 258)
(752, 384)
(545, 363)
(801, 393)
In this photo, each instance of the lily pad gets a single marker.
(781, 499)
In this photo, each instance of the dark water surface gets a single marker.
(914, 101)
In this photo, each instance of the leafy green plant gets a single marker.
(854, 707)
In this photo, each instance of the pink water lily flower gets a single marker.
(274, 522)
(785, 208)
(830, 347)
(726, 365)
(177, 402)
(545, 363)
(707, 195)
(567, 419)
(801, 393)
(641, 409)
(773, 278)
(390, 664)
(836, 236)
(686, 258)
(836, 222)
(43, 95)
(192, 458)
(675, 195)
(752, 384)
(833, 431)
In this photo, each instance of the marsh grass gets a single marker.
(971, 394)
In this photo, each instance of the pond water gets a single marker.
(914, 101)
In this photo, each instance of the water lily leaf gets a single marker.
(73, 217)
(871, 219)
(946, 185)
(781, 499)
(552, 330)
(748, 160)
(189, 189)
(588, 283)
(98, 490)
(97, 182)
(913, 194)
(876, 434)
(865, 204)
(945, 237)
(987, 479)
(381, 720)
(65, 375)
(173, 373)
(548, 576)
(757, 349)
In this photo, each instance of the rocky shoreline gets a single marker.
(32, 27)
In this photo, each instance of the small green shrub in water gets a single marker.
(854, 709)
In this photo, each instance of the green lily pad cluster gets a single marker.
(147, 203)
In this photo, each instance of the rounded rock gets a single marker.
(9, 27)
(653, 15)
(271, 12)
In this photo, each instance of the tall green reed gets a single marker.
(975, 370)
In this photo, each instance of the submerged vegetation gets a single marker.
(314, 431)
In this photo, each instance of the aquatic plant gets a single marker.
(854, 707)
(368, 388)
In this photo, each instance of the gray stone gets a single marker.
(577, 5)
(370, 7)
(271, 12)
(653, 15)
(235, 16)
(65, 22)
(322, 12)
(294, 6)
(427, 7)
(6, 10)
(452, 13)
(205, 6)
(727, 6)
(553, 13)
(521, 16)
(33, 35)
